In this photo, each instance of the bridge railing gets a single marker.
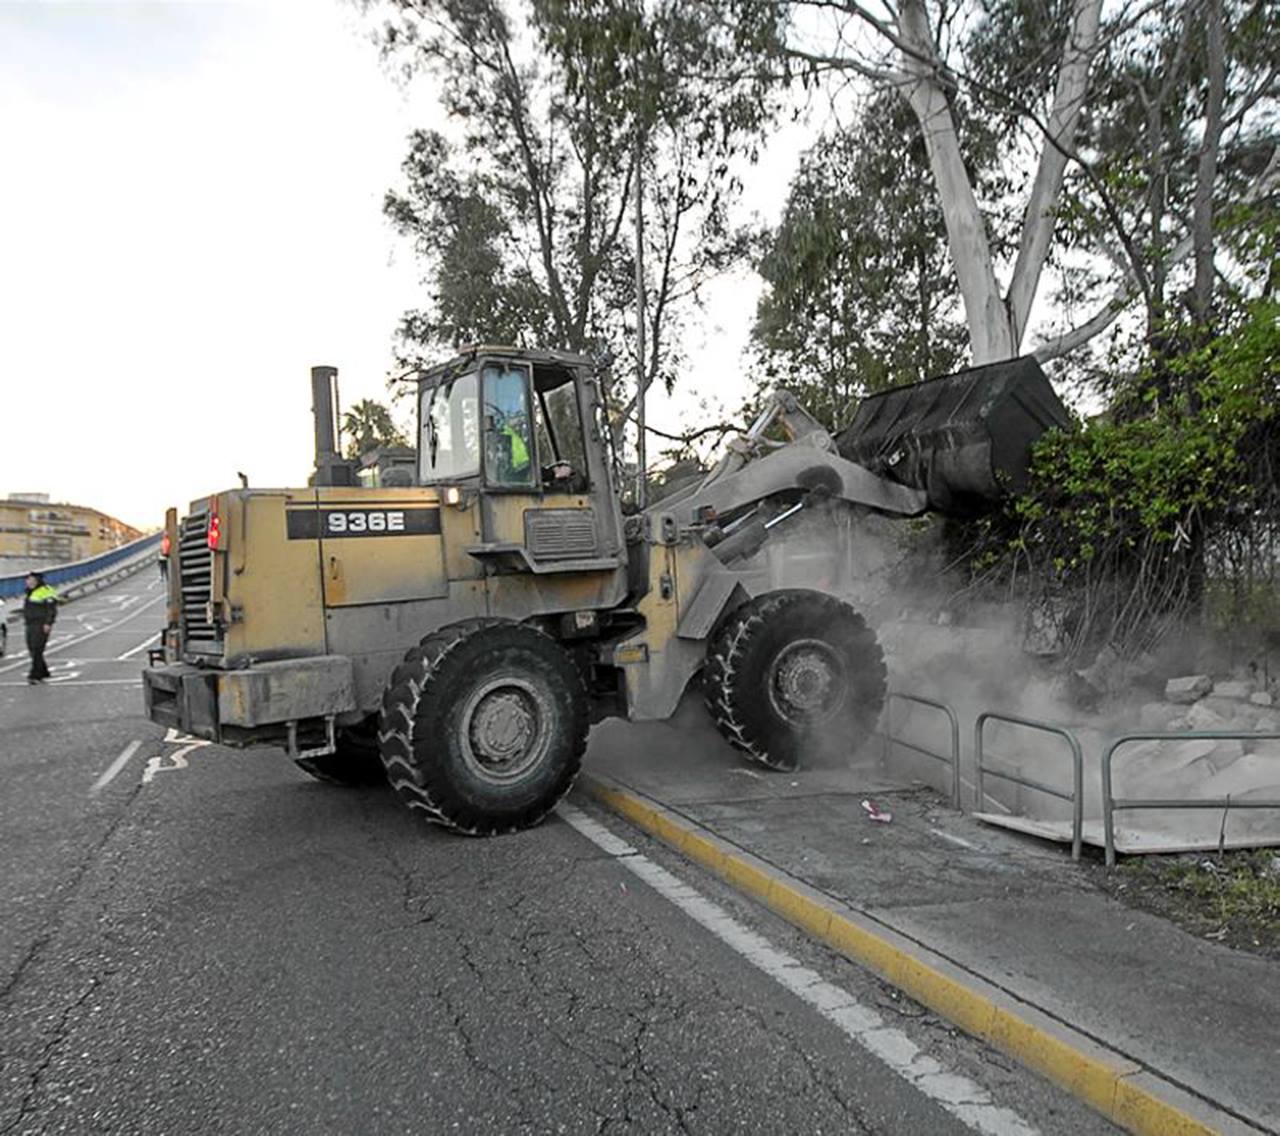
(62, 575)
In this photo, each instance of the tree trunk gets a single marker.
(990, 333)
(1041, 212)
(1207, 165)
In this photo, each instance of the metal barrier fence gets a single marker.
(953, 760)
(1110, 805)
(63, 574)
(1076, 797)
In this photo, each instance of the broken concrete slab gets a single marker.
(1260, 698)
(1233, 689)
(1251, 772)
(1187, 688)
(1165, 769)
(1225, 754)
(1159, 715)
(1201, 717)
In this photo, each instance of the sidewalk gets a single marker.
(1000, 920)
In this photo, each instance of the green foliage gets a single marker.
(1233, 897)
(368, 425)
(1130, 520)
(860, 295)
(1146, 478)
(522, 216)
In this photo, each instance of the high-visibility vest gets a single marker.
(519, 451)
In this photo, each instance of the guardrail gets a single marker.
(1076, 797)
(63, 574)
(1110, 805)
(953, 760)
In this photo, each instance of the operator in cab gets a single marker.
(507, 405)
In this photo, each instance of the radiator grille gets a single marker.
(195, 567)
(560, 534)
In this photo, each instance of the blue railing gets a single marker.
(68, 573)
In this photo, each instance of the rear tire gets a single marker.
(483, 726)
(795, 674)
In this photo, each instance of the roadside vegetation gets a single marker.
(1233, 898)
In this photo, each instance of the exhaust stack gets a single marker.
(331, 467)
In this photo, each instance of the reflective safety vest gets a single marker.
(519, 451)
(41, 605)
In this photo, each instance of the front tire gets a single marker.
(483, 726)
(795, 674)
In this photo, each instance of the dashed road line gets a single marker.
(88, 635)
(108, 774)
(149, 641)
(963, 1098)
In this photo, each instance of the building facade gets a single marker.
(32, 528)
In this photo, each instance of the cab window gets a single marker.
(560, 438)
(449, 447)
(510, 459)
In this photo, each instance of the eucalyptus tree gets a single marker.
(521, 205)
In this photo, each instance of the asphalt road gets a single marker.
(201, 940)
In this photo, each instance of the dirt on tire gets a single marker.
(482, 669)
(795, 676)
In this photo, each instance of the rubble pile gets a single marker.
(1238, 769)
(970, 669)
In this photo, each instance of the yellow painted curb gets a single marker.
(1135, 1099)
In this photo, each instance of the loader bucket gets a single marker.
(965, 439)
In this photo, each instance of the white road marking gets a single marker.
(88, 635)
(178, 757)
(152, 640)
(120, 762)
(85, 682)
(960, 840)
(963, 1098)
(172, 735)
(63, 674)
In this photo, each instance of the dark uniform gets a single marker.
(38, 612)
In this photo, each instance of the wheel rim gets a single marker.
(807, 682)
(505, 729)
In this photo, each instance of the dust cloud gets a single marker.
(983, 657)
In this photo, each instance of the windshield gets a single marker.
(449, 448)
(508, 433)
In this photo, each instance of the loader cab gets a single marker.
(519, 434)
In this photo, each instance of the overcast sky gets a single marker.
(190, 217)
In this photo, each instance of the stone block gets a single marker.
(1260, 698)
(1202, 717)
(1187, 689)
(1251, 773)
(1159, 716)
(1234, 688)
(1225, 754)
(1235, 715)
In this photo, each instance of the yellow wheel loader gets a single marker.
(457, 627)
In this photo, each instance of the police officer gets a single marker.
(38, 612)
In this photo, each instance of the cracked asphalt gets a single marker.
(220, 944)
